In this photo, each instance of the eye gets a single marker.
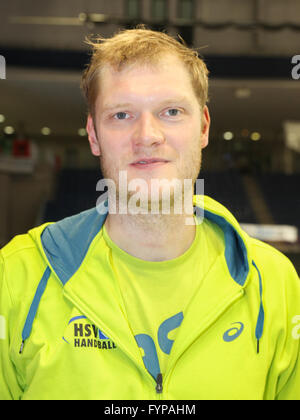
(173, 112)
(121, 115)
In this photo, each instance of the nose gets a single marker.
(148, 131)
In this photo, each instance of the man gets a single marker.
(116, 303)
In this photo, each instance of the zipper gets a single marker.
(159, 384)
(158, 381)
(137, 361)
(229, 303)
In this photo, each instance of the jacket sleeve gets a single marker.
(9, 387)
(288, 386)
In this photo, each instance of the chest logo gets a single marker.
(84, 334)
(233, 333)
(146, 342)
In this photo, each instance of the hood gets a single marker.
(65, 244)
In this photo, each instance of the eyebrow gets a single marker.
(109, 107)
(112, 106)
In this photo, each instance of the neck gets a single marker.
(151, 237)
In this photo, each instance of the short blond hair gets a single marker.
(140, 46)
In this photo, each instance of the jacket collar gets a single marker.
(66, 243)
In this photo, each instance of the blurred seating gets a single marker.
(228, 189)
(282, 196)
(76, 192)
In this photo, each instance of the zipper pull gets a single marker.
(22, 346)
(159, 386)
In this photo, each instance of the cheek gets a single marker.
(188, 140)
(111, 144)
(189, 153)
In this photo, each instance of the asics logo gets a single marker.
(233, 333)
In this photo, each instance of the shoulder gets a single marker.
(279, 276)
(22, 265)
(17, 245)
(23, 244)
(22, 252)
(270, 257)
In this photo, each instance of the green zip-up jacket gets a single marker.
(239, 338)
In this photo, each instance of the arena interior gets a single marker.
(252, 51)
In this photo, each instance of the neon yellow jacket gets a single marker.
(239, 338)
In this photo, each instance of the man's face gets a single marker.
(149, 112)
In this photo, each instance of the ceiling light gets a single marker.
(45, 131)
(255, 136)
(2, 118)
(242, 93)
(228, 135)
(82, 132)
(9, 129)
(245, 132)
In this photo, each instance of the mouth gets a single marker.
(148, 163)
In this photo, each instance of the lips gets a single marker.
(148, 164)
(147, 161)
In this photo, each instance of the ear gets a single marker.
(92, 136)
(205, 125)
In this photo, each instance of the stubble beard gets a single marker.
(155, 210)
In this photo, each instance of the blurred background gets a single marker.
(252, 50)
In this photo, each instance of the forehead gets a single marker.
(166, 75)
